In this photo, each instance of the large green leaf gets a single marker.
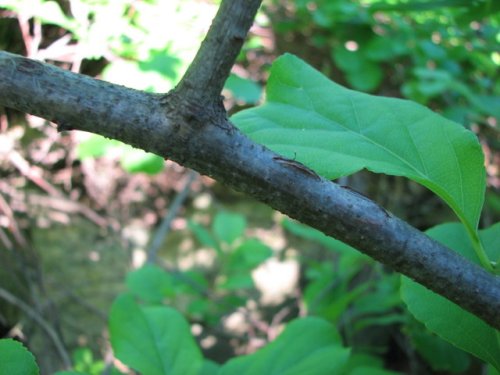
(361, 363)
(419, 5)
(136, 161)
(440, 354)
(443, 317)
(155, 340)
(315, 235)
(307, 346)
(248, 255)
(16, 359)
(150, 283)
(243, 89)
(228, 227)
(337, 131)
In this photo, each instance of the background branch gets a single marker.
(12, 299)
(163, 229)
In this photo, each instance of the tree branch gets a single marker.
(210, 68)
(176, 126)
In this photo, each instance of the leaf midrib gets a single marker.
(359, 134)
(422, 175)
(369, 140)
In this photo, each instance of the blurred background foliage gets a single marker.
(77, 211)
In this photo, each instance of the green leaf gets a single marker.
(362, 370)
(432, 50)
(361, 364)
(136, 161)
(132, 74)
(418, 5)
(84, 362)
(306, 346)
(330, 243)
(228, 227)
(441, 355)
(50, 12)
(237, 282)
(487, 104)
(95, 146)
(243, 89)
(249, 255)
(198, 307)
(385, 48)
(16, 359)
(337, 132)
(241, 261)
(154, 340)
(491, 371)
(164, 62)
(490, 239)
(432, 82)
(360, 359)
(348, 61)
(150, 283)
(443, 317)
(209, 368)
(204, 236)
(132, 160)
(361, 73)
(367, 79)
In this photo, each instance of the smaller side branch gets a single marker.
(205, 78)
(12, 299)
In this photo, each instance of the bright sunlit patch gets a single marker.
(208, 342)
(311, 6)
(94, 256)
(138, 258)
(196, 329)
(275, 280)
(236, 323)
(202, 201)
(436, 37)
(351, 45)
(495, 57)
(474, 25)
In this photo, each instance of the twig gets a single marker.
(32, 173)
(164, 228)
(273, 331)
(5, 240)
(90, 307)
(64, 204)
(6, 295)
(12, 224)
(209, 70)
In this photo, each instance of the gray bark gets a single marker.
(189, 125)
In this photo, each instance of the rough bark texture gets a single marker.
(189, 125)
